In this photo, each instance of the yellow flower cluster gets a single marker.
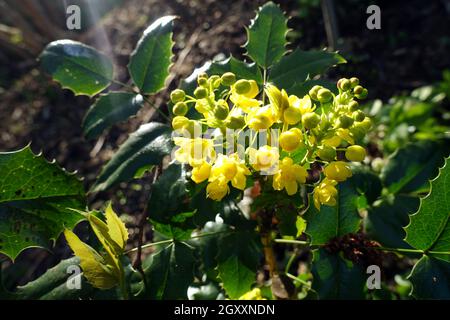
(320, 127)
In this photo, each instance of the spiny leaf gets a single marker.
(387, 218)
(431, 279)
(169, 272)
(429, 228)
(237, 260)
(77, 67)
(146, 146)
(267, 35)
(410, 168)
(150, 61)
(94, 266)
(336, 277)
(36, 198)
(296, 68)
(110, 109)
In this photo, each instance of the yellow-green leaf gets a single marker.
(116, 228)
(94, 268)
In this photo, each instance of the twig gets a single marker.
(331, 25)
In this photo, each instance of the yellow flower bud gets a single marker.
(338, 170)
(344, 121)
(355, 153)
(179, 122)
(344, 84)
(326, 153)
(353, 105)
(200, 93)
(180, 109)
(358, 115)
(291, 140)
(242, 86)
(292, 115)
(235, 122)
(228, 79)
(221, 109)
(177, 95)
(324, 95)
(354, 82)
(313, 92)
(310, 120)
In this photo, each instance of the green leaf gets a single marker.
(169, 272)
(336, 277)
(53, 284)
(431, 279)
(267, 35)
(36, 198)
(334, 221)
(77, 67)
(410, 168)
(146, 146)
(238, 259)
(109, 109)
(169, 194)
(150, 61)
(296, 68)
(429, 228)
(387, 218)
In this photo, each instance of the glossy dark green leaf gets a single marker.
(429, 228)
(334, 221)
(150, 61)
(410, 168)
(169, 194)
(431, 279)
(387, 218)
(35, 201)
(146, 146)
(170, 272)
(267, 35)
(335, 277)
(238, 259)
(77, 67)
(295, 69)
(110, 109)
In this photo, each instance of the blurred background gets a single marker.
(405, 65)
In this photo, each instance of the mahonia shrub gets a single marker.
(266, 193)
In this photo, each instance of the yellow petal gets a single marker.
(291, 187)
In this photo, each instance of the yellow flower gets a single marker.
(254, 294)
(325, 193)
(291, 139)
(225, 169)
(246, 101)
(264, 159)
(288, 176)
(344, 134)
(338, 170)
(260, 118)
(279, 100)
(304, 105)
(217, 188)
(194, 151)
(201, 173)
(334, 141)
